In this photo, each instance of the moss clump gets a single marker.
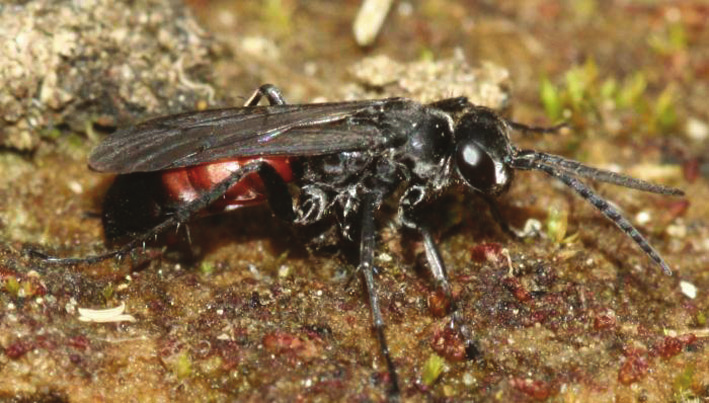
(432, 369)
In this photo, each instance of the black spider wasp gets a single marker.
(345, 158)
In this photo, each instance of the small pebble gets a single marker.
(696, 129)
(688, 289)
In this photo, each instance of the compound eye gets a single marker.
(476, 167)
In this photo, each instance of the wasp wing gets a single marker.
(195, 138)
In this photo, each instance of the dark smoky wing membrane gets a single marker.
(196, 138)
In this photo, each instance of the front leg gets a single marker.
(501, 221)
(412, 199)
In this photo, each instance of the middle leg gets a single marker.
(366, 265)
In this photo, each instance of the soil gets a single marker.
(245, 309)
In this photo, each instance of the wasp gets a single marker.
(344, 159)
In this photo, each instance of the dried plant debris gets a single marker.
(108, 315)
(426, 80)
(69, 63)
(369, 21)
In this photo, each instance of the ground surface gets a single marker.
(577, 313)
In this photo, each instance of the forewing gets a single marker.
(195, 138)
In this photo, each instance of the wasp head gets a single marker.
(483, 151)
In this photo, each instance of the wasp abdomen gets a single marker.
(183, 185)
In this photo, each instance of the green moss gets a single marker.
(584, 92)
(557, 224)
(584, 9)
(50, 133)
(664, 112)
(630, 94)
(183, 366)
(426, 55)
(608, 89)
(432, 369)
(434, 10)
(683, 381)
(579, 82)
(551, 99)
(12, 286)
(27, 289)
(277, 15)
(107, 292)
(574, 94)
(75, 142)
(206, 267)
(672, 39)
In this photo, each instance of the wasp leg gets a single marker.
(410, 201)
(279, 198)
(366, 265)
(270, 91)
(500, 219)
(181, 215)
(440, 275)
